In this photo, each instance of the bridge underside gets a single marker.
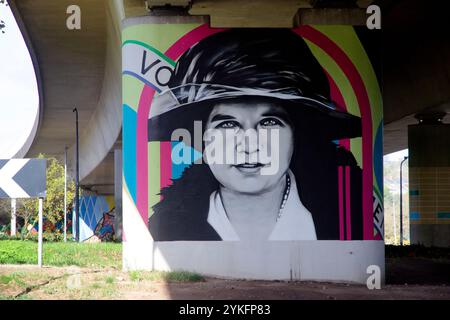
(76, 69)
(82, 68)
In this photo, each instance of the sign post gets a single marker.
(24, 178)
(13, 217)
(40, 234)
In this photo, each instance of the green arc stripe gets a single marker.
(380, 198)
(159, 53)
(347, 39)
(345, 89)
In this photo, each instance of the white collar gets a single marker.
(295, 223)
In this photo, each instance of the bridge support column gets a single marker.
(429, 182)
(118, 192)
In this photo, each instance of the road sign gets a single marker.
(23, 178)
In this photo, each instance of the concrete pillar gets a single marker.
(118, 192)
(429, 183)
(333, 260)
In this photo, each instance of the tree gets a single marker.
(2, 23)
(5, 211)
(53, 204)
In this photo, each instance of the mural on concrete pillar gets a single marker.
(96, 218)
(238, 134)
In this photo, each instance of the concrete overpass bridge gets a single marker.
(76, 69)
(82, 68)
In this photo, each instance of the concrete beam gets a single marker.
(395, 134)
(257, 13)
(176, 3)
(134, 8)
(251, 14)
(364, 3)
(333, 16)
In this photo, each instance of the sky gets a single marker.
(396, 156)
(19, 98)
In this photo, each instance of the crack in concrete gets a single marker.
(40, 285)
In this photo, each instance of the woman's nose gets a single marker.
(247, 141)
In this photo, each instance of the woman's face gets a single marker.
(257, 141)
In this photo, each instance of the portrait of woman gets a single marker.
(256, 80)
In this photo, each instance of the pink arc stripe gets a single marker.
(177, 49)
(348, 203)
(341, 202)
(350, 71)
(142, 152)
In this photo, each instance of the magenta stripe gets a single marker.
(165, 149)
(341, 203)
(142, 152)
(357, 84)
(345, 143)
(347, 203)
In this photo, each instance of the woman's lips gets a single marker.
(249, 167)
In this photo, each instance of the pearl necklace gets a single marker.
(285, 196)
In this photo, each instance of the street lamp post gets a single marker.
(65, 194)
(401, 201)
(77, 181)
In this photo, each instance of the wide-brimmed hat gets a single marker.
(249, 64)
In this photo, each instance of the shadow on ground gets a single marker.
(417, 265)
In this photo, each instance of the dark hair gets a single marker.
(268, 59)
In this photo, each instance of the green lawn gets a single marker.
(62, 253)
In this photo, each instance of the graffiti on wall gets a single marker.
(96, 217)
(235, 134)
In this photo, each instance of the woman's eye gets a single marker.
(270, 122)
(227, 125)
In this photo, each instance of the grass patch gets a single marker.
(62, 253)
(136, 275)
(96, 286)
(109, 279)
(171, 276)
(15, 277)
(6, 278)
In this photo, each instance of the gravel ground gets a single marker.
(406, 278)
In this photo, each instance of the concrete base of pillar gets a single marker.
(340, 261)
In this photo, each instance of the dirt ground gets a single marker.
(404, 280)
